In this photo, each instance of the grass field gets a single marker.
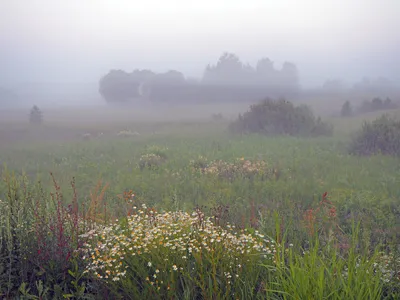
(317, 222)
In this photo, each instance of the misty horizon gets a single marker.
(74, 41)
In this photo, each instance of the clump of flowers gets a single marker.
(127, 133)
(150, 161)
(160, 251)
(389, 267)
(200, 163)
(153, 157)
(157, 150)
(243, 168)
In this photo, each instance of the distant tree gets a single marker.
(347, 109)
(119, 86)
(228, 70)
(376, 104)
(378, 85)
(365, 107)
(266, 73)
(167, 87)
(36, 116)
(289, 76)
(389, 104)
(171, 77)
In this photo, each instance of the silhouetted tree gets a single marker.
(228, 70)
(266, 73)
(36, 116)
(376, 104)
(347, 109)
(228, 80)
(376, 86)
(289, 77)
(388, 104)
(119, 86)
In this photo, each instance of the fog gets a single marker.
(59, 50)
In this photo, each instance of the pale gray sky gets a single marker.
(79, 40)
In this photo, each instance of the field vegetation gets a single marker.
(125, 207)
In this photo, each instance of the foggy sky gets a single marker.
(75, 40)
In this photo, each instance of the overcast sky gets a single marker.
(80, 40)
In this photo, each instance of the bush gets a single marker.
(381, 136)
(36, 115)
(280, 118)
(217, 117)
(377, 104)
(39, 237)
(347, 109)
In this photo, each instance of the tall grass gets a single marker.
(325, 273)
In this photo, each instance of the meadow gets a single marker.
(130, 206)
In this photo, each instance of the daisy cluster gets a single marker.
(171, 242)
(240, 168)
(150, 160)
(389, 267)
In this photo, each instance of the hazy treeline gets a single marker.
(379, 86)
(228, 80)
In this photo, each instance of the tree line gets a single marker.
(227, 80)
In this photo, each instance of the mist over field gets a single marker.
(55, 52)
(189, 149)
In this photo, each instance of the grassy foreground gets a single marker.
(186, 211)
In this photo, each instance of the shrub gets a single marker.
(280, 118)
(377, 104)
(38, 241)
(381, 136)
(217, 117)
(36, 115)
(347, 109)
